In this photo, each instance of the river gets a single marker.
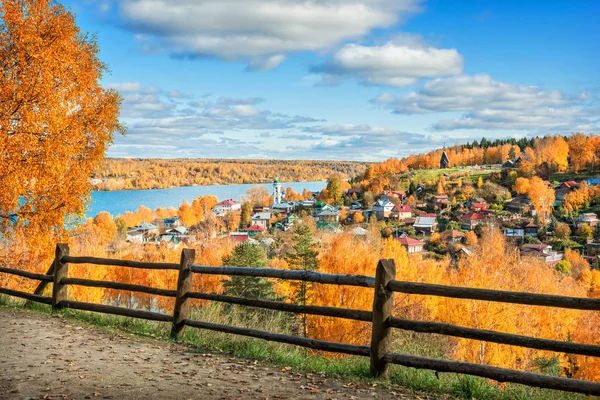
(119, 201)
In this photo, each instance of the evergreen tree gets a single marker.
(303, 256)
(248, 255)
(597, 233)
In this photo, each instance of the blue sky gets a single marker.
(343, 79)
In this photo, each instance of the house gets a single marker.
(167, 223)
(331, 217)
(354, 192)
(452, 236)
(179, 231)
(530, 229)
(444, 160)
(322, 206)
(441, 201)
(592, 247)
(542, 251)
(519, 205)
(226, 206)
(470, 220)
(590, 219)
(239, 237)
(401, 212)
(262, 219)
(426, 224)
(593, 181)
(395, 193)
(514, 232)
(413, 246)
(135, 236)
(571, 185)
(478, 207)
(147, 229)
(383, 208)
(254, 230)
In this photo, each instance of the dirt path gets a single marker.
(46, 357)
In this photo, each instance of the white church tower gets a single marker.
(277, 192)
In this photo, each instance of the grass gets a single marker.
(281, 355)
(431, 176)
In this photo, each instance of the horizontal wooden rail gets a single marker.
(27, 274)
(501, 296)
(118, 286)
(357, 315)
(125, 312)
(119, 263)
(26, 296)
(495, 337)
(495, 373)
(281, 338)
(307, 276)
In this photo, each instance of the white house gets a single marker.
(222, 208)
(383, 208)
(135, 236)
(262, 219)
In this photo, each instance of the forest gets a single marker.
(125, 174)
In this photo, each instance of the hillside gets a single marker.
(119, 174)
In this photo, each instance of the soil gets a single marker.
(49, 357)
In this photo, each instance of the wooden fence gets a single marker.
(381, 316)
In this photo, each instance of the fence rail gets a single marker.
(380, 317)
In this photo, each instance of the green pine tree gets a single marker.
(597, 233)
(303, 256)
(248, 255)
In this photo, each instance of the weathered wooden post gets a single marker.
(181, 311)
(383, 305)
(61, 270)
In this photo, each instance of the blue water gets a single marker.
(118, 202)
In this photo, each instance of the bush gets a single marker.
(563, 266)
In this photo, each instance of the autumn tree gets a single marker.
(56, 120)
(581, 151)
(334, 188)
(246, 215)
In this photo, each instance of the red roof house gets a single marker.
(412, 245)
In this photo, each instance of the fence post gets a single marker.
(383, 305)
(181, 311)
(61, 270)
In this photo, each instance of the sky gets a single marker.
(360, 80)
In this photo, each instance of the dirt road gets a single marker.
(46, 357)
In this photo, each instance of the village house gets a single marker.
(592, 247)
(135, 236)
(413, 246)
(261, 219)
(478, 207)
(226, 206)
(401, 212)
(526, 228)
(452, 236)
(239, 237)
(383, 208)
(470, 220)
(593, 181)
(358, 231)
(167, 223)
(398, 194)
(590, 219)
(425, 224)
(542, 251)
(519, 205)
(147, 229)
(571, 185)
(254, 230)
(330, 217)
(440, 201)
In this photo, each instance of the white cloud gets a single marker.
(265, 63)
(492, 105)
(261, 31)
(125, 86)
(398, 63)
